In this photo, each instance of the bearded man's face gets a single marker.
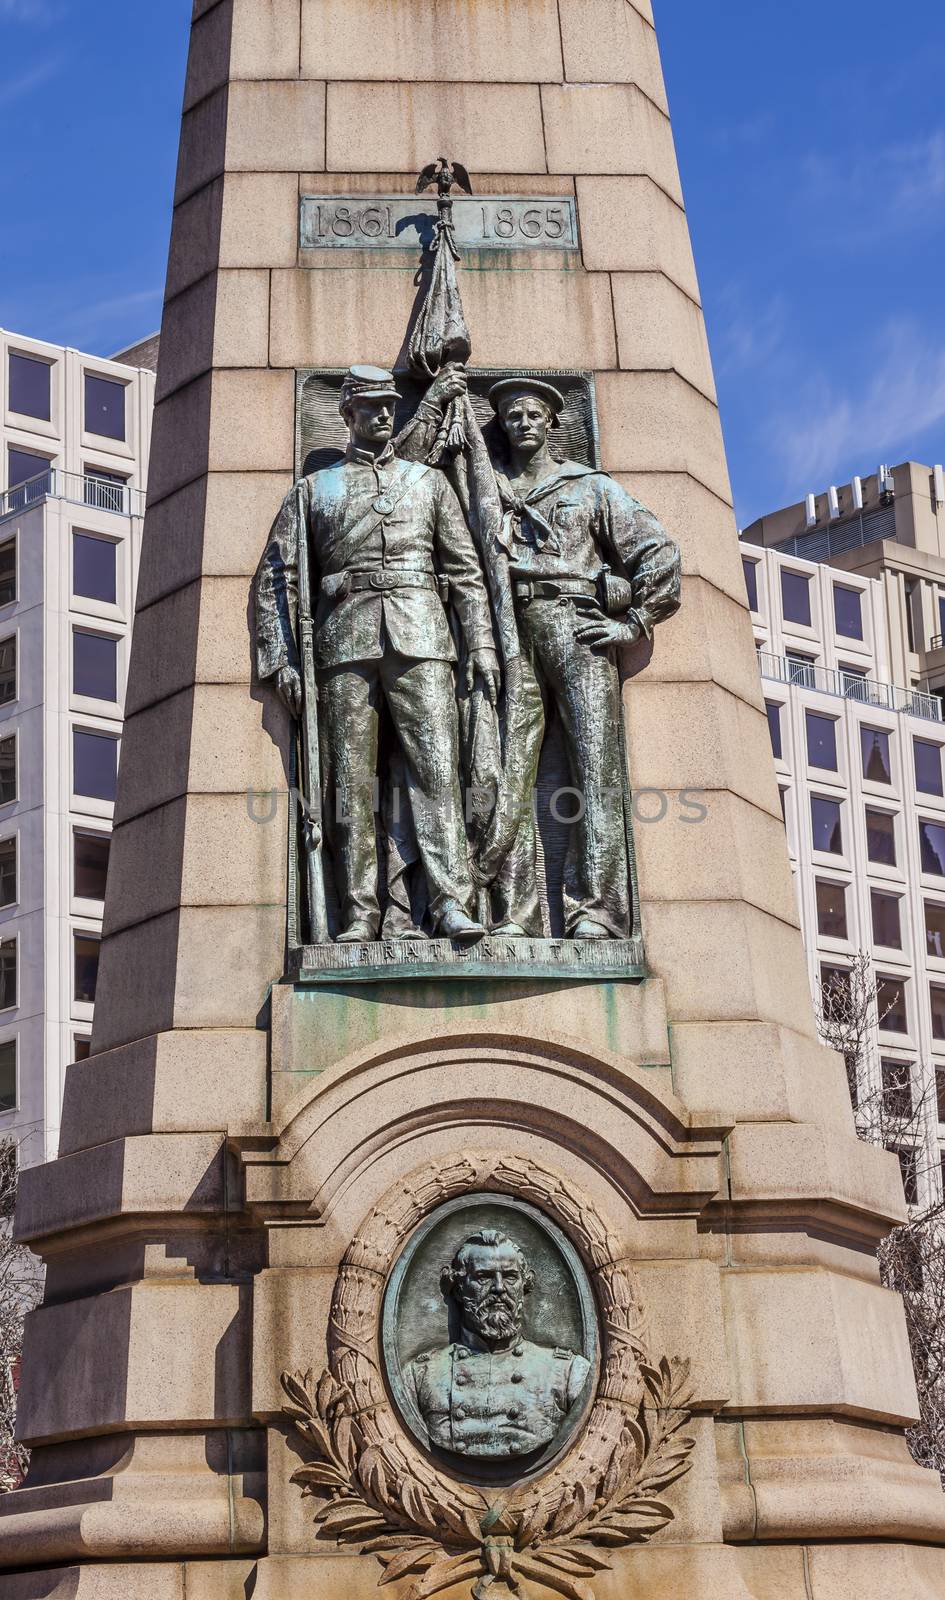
(491, 1293)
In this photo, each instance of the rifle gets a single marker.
(311, 776)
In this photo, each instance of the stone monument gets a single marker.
(457, 1200)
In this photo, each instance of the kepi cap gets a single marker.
(367, 383)
(527, 385)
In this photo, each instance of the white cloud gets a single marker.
(902, 183)
(41, 11)
(12, 89)
(828, 428)
(747, 335)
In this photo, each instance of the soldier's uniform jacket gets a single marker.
(423, 535)
(503, 1403)
(577, 520)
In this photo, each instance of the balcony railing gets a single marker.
(81, 489)
(850, 686)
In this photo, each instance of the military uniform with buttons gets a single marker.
(494, 1403)
(388, 544)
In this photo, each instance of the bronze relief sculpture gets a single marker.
(441, 1515)
(444, 613)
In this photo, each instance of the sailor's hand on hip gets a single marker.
(602, 632)
(289, 689)
(485, 663)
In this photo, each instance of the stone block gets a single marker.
(105, 1581)
(251, 423)
(683, 1301)
(265, 39)
(259, 219)
(608, 41)
(523, 319)
(657, 422)
(198, 634)
(215, 525)
(276, 127)
(214, 740)
(897, 1572)
(698, 736)
(151, 1355)
(766, 1073)
(808, 1341)
(171, 1083)
(195, 238)
(241, 319)
(441, 41)
(719, 847)
(168, 857)
(290, 1327)
(179, 439)
(702, 525)
(741, 963)
(709, 637)
(209, 55)
(779, 1162)
(660, 329)
(630, 224)
(129, 1177)
(203, 140)
(608, 128)
(395, 127)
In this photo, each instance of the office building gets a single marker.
(73, 472)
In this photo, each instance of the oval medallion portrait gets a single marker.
(490, 1338)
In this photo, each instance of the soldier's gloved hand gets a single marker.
(486, 664)
(602, 632)
(289, 689)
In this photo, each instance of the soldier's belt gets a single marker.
(383, 579)
(553, 588)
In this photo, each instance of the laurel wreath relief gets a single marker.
(376, 1489)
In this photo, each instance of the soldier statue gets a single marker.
(591, 570)
(388, 551)
(493, 1393)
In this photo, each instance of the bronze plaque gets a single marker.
(490, 1336)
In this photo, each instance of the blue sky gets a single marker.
(811, 138)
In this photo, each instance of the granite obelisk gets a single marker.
(385, 1258)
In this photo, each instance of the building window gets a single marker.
(81, 1047)
(935, 929)
(94, 568)
(801, 669)
(8, 1095)
(94, 665)
(937, 1000)
(908, 1166)
(782, 796)
(932, 847)
(8, 769)
(940, 1092)
(86, 946)
(825, 825)
(835, 994)
(881, 837)
(8, 872)
(750, 569)
(774, 727)
(90, 864)
(23, 466)
(105, 490)
(30, 387)
(854, 682)
(886, 926)
(891, 1004)
(874, 745)
(821, 741)
(94, 764)
(104, 407)
(897, 1088)
(7, 974)
(831, 909)
(795, 597)
(847, 612)
(928, 766)
(7, 572)
(7, 671)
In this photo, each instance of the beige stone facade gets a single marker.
(230, 1135)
